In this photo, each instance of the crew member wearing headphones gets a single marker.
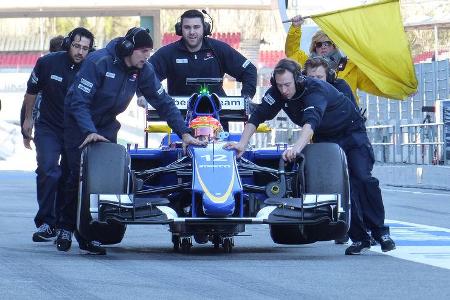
(52, 76)
(325, 115)
(322, 45)
(319, 67)
(102, 89)
(197, 55)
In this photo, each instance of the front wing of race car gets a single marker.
(287, 211)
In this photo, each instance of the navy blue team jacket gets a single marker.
(103, 88)
(52, 74)
(213, 60)
(327, 110)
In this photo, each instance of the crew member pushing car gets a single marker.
(102, 89)
(327, 114)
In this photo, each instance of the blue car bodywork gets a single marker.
(209, 195)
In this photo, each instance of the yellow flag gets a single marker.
(373, 37)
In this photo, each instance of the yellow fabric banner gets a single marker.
(373, 38)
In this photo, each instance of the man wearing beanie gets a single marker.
(197, 55)
(102, 89)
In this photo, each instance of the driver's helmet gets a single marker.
(206, 127)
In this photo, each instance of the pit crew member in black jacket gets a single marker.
(325, 112)
(319, 67)
(102, 89)
(52, 76)
(196, 55)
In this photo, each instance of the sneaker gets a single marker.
(386, 243)
(92, 247)
(357, 248)
(64, 240)
(44, 233)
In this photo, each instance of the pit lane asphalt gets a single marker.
(145, 266)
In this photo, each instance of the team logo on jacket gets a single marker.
(181, 61)
(34, 78)
(209, 55)
(246, 63)
(85, 85)
(269, 99)
(56, 77)
(110, 75)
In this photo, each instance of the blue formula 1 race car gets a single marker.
(208, 194)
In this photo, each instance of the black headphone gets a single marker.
(125, 47)
(331, 74)
(294, 68)
(207, 26)
(67, 41)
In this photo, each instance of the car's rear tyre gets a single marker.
(104, 170)
(325, 172)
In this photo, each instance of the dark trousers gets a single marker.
(68, 216)
(51, 173)
(67, 219)
(366, 200)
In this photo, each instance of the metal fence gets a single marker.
(408, 143)
(420, 144)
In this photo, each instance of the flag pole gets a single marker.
(290, 20)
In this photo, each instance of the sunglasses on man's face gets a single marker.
(326, 43)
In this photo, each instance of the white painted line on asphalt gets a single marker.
(416, 192)
(420, 243)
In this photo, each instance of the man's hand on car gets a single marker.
(239, 147)
(93, 137)
(291, 153)
(190, 140)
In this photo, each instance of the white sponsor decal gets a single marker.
(214, 166)
(34, 78)
(57, 78)
(160, 90)
(110, 75)
(84, 88)
(86, 83)
(268, 98)
(228, 103)
(245, 64)
(181, 61)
